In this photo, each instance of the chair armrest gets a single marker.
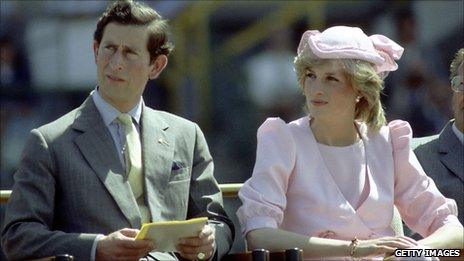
(230, 189)
(4, 196)
(61, 257)
(246, 256)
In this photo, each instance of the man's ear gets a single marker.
(95, 50)
(158, 66)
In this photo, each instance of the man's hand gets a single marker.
(121, 245)
(189, 247)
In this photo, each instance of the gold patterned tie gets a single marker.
(133, 159)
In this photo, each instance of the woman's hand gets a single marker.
(383, 245)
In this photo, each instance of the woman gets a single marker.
(327, 183)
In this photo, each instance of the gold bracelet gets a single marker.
(353, 245)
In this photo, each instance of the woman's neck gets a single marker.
(340, 133)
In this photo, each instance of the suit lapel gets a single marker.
(97, 147)
(158, 152)
(451, 151)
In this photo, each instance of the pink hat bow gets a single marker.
(343, 42)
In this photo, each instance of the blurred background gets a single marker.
(231, 67)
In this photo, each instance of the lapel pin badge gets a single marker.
(162, 141)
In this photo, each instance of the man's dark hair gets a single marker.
(129, 12)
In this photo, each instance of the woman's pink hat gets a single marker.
(341, 42)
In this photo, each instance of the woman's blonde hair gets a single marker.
(362, 77)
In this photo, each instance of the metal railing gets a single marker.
(228, 190)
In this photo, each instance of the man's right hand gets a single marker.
(121, 245)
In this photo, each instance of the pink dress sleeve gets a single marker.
(421, 205)
(264, 194)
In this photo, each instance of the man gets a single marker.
(88, 180)
(442, 155)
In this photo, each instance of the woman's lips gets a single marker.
(318, 102)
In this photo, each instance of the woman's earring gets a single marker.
(357, 99)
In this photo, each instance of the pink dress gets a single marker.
(347, 167)
(292, 188)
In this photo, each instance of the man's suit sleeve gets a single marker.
(205, 196)
(29, 217)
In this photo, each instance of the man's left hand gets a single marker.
(190, 247)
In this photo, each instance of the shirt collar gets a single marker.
(109, 113)
(458, 133)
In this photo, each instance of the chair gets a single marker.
(247, 256)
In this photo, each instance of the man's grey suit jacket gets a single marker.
(442, 157)
(71, 186)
